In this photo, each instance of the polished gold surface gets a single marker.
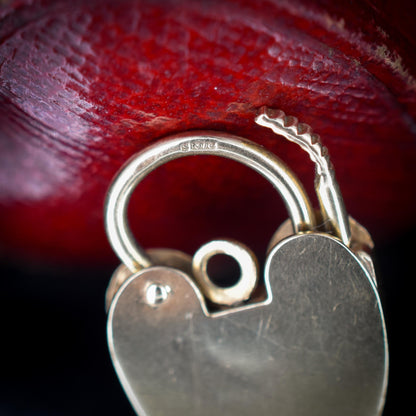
(191, 144)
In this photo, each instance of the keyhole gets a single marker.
(223, 270)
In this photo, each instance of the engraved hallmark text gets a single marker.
(202, 145)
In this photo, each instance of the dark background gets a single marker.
(55, 359)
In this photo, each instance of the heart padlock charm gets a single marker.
(312, 350)
(309, 340)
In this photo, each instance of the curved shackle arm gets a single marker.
(189, 144)
(332, 205)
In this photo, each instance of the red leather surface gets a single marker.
(84, 85)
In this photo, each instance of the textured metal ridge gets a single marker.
(332, 205)
(299, 133)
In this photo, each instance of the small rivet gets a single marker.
(156, 294)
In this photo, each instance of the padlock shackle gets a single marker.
(191, 144)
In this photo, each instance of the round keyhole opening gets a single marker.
(223, 270)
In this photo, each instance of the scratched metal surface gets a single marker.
(320, 345)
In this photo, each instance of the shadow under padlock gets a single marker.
(307, 337)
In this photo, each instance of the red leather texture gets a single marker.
(84, 85)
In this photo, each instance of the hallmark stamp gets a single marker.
(198, 145)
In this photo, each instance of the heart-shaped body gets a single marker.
(316, 347)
